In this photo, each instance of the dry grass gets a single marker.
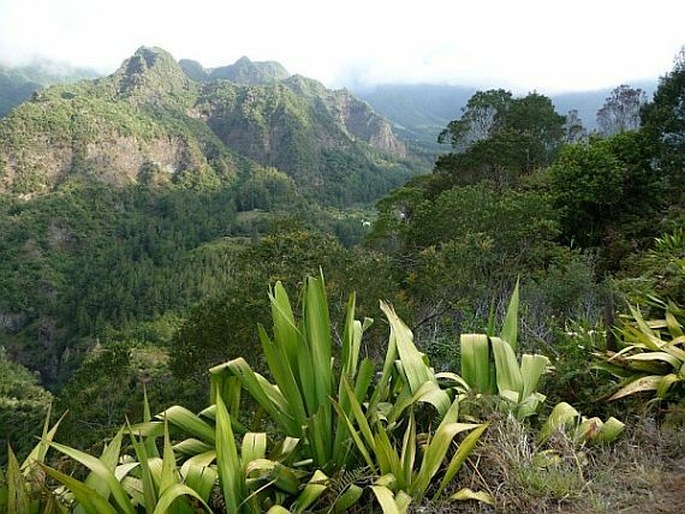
(643, 472)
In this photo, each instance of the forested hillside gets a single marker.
(505, 329)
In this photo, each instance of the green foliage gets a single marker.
(652, 355)
(489, 364)
(605, 184)
(587, 184)
(499, 138)
(23, 406)
(222, 327)
(663, 120)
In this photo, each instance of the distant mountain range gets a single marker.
(254, 110)
(18, 83)
(157, 120)
(419, 112)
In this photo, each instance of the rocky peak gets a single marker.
(150, 72)
(249, 73)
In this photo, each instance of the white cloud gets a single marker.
(525, 44)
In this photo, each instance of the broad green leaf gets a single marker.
(169, 472)
(348, 498)
(358, 414)
(266, 395)
(648, 383)
(355, 436)
(475, 362)
(101, 471)
(611, 430)
(40, 450)
(286, 332)
(281, 369)
(510, 327)
(532, 368)
(656, 356)
(318, 331)
(352, 336)
(228, 462)
(461, 385)
(18, 501)
(666, 382)
(274, 472)
(187, 421)
(386, 499)
(198, 475)
(311, 492)
(462, 453)
(172, 493)
(562, 414)
(91, 501)
(388, 460)
(150, 446)
(278, 509)
(508, 372)
(149, 489)
(408, 454)
(191, 446)
(254, 446)
(431, 393)
(467, 494)
(435, 454)
(110, 459)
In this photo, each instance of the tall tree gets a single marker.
(499, 137)
(481, 117)
(573, 128)
(663, 121)
(621, 110)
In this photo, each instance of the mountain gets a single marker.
(153, 121)
(418, 111)
(246, 72)
(18, 83)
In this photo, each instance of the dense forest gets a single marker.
(527, 353)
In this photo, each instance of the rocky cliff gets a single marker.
(150, 122)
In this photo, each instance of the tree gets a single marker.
(587, 187)
(621, 110)
(480, 118)
(663, 121)
(574, 129)
(499, 138)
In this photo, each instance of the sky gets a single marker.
(549, 46)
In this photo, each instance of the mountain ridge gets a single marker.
(150, 121)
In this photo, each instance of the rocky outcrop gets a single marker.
(248, 73)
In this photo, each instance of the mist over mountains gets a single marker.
(418, 112)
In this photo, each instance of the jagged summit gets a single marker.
(246, 72)
(151, 70)
(151, 122)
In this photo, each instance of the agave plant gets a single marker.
(299, 358)
(565, 417)
(653, 354)
(327, 405)
(22, 487)
(489, 365)
(330, 418)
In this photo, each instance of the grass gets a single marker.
(642, 472)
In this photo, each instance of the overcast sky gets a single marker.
(547, 45)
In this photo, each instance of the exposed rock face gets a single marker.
(361, 121)
(150, 122)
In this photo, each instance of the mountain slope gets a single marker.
(150, 121)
